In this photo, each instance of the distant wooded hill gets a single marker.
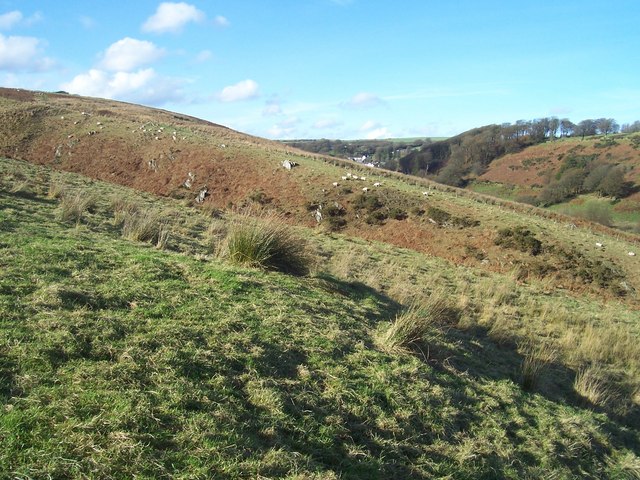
(381, 153)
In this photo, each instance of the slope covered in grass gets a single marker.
(119, 359)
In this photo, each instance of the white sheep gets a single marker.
(335, 184)
(355, 177)
(377, 184)
(363, 178)
(365, 189)
(344, 178)
(599, 245)
(98, 123)
(426, 194)
(631, 254)
(348, 174)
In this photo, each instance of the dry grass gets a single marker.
(74, 206)
(591, 384)
(411, 327)
(265, 242)
(537, 354)
(146, 226)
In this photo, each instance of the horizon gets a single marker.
(334, 69)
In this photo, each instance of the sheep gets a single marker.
(599, 245)
(426, 194)
(631, 254)
(377, 184)
(349, 175)
(365, 189)
(355, 177)
(335, 184)
(98, 123)
(363, 178)
(70, 136)
(344, 178)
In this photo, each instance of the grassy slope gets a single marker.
(120, 360)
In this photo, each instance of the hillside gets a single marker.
(537, 175)
(155, 151)
(123, 358)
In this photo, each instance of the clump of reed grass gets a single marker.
(265, 242)
(590, 383)
(57, 189)
(74, 206)
(145, 226)
(122, 208)
(411, 327)
(536, 356)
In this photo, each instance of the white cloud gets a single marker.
(23, 54)
(8, 20)
(128, 54)
(370, 125)
(204, 56)
(278, 131)
(272, 109)
(381, 132)
(325, 123)
(363, 100)
(142, 86)
(221, 21)
(244, 90)
(172, 17)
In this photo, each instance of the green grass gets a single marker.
(119, 360)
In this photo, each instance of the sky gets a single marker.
(348, 69)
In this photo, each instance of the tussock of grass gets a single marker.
(56, 189)
(411, 327)
(265, 242)
(591, 384)
(146, 226)
(74, 206)
(536, 356)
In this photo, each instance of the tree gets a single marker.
(566, 127)
(586, 128)
(613, 185)
(606, 126)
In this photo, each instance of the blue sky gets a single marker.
(335, 68)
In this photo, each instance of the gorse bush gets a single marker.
(265, 242)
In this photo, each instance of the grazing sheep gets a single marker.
(365, 189)
(349, 175)
(355, 177)
(98, 123)
(335, 184)
(426, 194)
(344, 178)
(631, 254)
(363, 178)
(599, 245)
(377, 184)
